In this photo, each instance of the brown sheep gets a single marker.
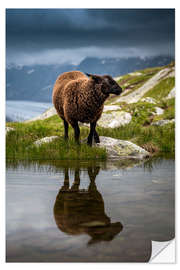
(79, 98)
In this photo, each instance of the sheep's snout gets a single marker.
(117, 90)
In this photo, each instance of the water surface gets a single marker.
(88, 212)
(21, 110)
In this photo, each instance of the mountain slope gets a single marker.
(35, 83)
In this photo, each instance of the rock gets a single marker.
(126, 91)
(149, 100)
(171, 74)
(159, 111)
(163, 122)
(118, 78)
(122, 149)
(135, 73)
(114, 119)
(136, 95)
(172, 94)
(45, 140)
(111, 108)
(48, 113)
(52, 111)
(9, 129)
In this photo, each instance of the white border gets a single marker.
(67, 4)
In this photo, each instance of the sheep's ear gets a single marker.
(87, 74)
(96, 78)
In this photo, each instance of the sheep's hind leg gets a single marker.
(91, 133)
(76, 131)
(66, 126)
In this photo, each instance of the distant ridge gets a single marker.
(35, 83)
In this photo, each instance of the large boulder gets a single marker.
(122, 149)
(114, 119)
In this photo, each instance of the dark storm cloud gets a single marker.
(34, 30)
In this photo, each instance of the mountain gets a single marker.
(35, 83)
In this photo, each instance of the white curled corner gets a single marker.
(163, 252)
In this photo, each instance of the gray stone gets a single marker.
(172, 94)
(45, 140)
(111, 108)
(114, 119)
(149, 100)
(159, 111)
(52, 111)
(162, 122)
(118, 78)
(8, 129)
(122, 149)
(135, 73)
(171, 74)
(48, 113)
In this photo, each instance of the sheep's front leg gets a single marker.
(96, 137)
(75, 186)
(91, 133)
(92, 176)
(65, 187)
(66, 126)
(76, 130)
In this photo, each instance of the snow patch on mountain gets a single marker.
(30, 71)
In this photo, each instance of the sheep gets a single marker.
(78, 211)
(80, 98)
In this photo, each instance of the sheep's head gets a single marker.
(107, 83)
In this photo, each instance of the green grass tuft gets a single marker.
(162, 89)
(19, 143)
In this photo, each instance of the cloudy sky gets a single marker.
(55, 36)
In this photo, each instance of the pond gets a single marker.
(88, 211)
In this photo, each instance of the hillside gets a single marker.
(144, 115)
(35, 83)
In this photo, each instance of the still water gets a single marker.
(88, 212)
(21, 110)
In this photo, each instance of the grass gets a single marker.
(162, 89)
(152, 138)
(169, 110)
(20, 142)
(141, 112)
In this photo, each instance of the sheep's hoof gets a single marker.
(89, 143)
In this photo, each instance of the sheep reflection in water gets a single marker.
(78, 211)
